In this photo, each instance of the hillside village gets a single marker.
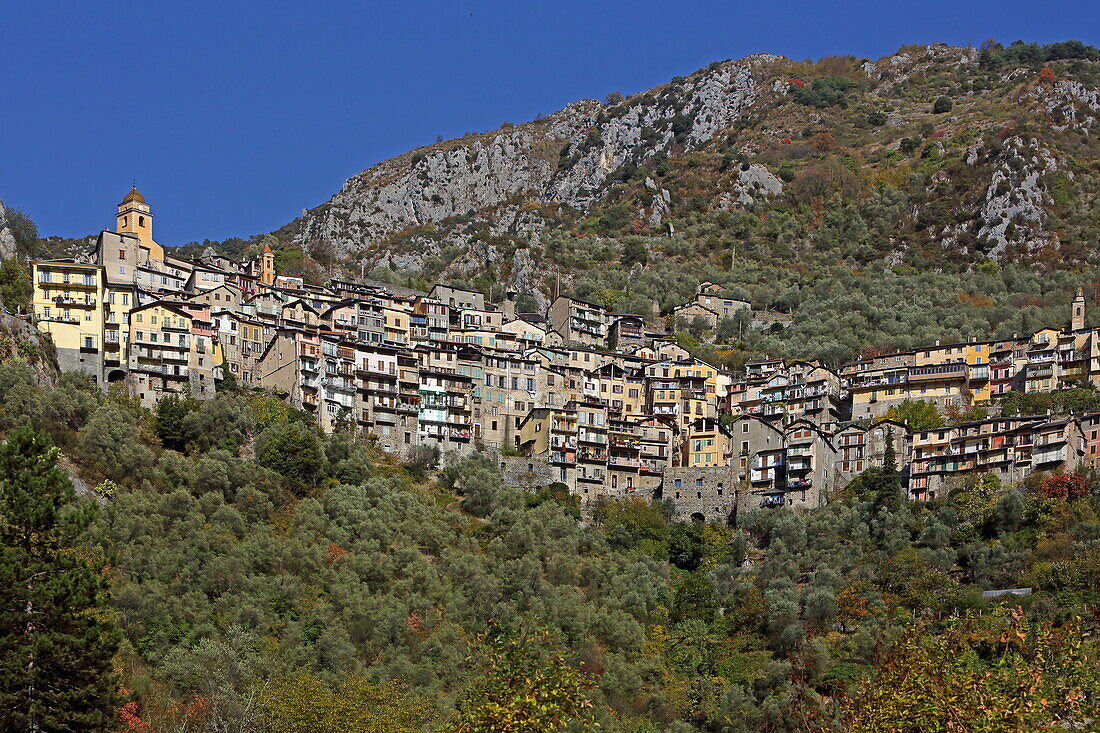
(602, 402)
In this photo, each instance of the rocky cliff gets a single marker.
(7, 238)
(990, 173)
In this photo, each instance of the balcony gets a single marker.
(624, 462)
(566, 457)
(68, 284)
(64, 300)
(938, 372)
(589, 437)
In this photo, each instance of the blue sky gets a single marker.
(233, 116)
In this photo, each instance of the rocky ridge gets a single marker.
(736, 135)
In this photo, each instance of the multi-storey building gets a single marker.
(68, 300)
(577, 321)
(171, 349)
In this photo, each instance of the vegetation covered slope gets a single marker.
(317, 585)
(941, 192)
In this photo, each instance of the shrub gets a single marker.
(292, 450)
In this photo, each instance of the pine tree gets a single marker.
(170, 411)
(889, 494)
(56, 643)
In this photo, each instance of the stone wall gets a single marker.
(709, 491)
(525, 472)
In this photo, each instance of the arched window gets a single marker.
(124, 221)
(141, 221)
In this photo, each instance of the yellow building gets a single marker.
(69, 305)
(704, 444)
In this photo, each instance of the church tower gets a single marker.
(134, 217)
(1077, 322)
(267, 266)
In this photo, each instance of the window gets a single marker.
(122, 252)
(141, 221)
(676, 483)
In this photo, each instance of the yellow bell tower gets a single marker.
(135, 217)
(267, 266)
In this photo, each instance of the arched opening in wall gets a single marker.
(698, 517)
(141, 221)
(115, 375)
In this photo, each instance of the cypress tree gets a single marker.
(56, 641)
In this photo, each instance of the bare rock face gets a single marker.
(1013, 208)
(1069, 104)
(567, 158)
(754, 183)
(7, 239)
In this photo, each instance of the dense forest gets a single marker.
(242, 572)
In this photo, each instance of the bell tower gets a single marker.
(1077, 321)
(134, 217)
(267, 266)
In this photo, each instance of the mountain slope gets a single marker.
(763, 174)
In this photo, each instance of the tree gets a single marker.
(1064, 486)
(170, 412)
(942, 105)
(1046, 75)
(110, 442)
(303, 703)
(908, 145)
(916, 414)
(224, 422)
(292, 450)
(634, 252)
(528, 687)
(56, 642)
(15, 286)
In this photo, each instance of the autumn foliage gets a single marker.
(1064, 486)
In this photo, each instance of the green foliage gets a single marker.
(110, 443)
(170, 413)
(222, 423)
(916, 414)
(291, 450)
(304, 703)
(56, 642)
(528, 686)
(942, 105)
(15, 286)
(1076, 400)
(634, 252)
(378, 599)
(23, 230)
(829, 91)
(999, 673)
